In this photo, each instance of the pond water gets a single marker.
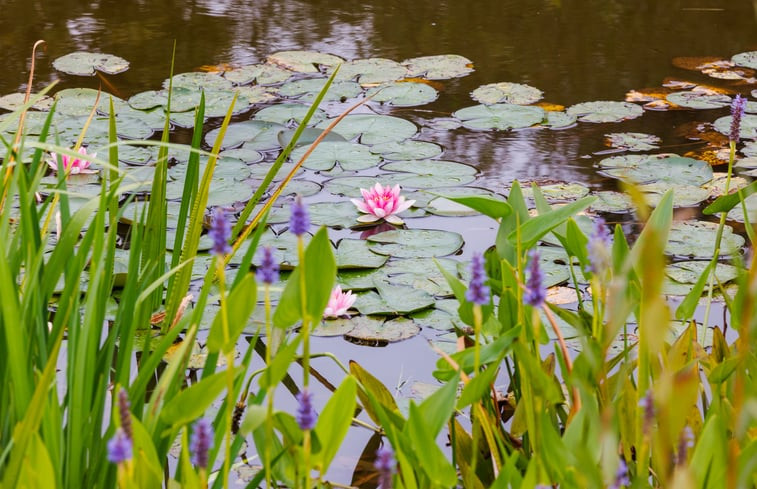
(573, 50)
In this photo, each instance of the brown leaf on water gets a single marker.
(677, 84)
(216, 68)
(713, 157)
(702, 131)
(661, 105)
(550, 107)
(434, 84)
(694, 63)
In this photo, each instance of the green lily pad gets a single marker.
(257, 135)
(633, 141)
(559, 192)
(330, 214)
(359, 279)
(80, 101)
(506, 92)
(286, 113)
(737, 213)
(198, 80)
(356, 254)
(342, 326)
(389, 332)
(223, 191)
(308, 89)
(559, 120)
(393, 300)
(304, 61)
(435, 319)
(747, 59)
(307, 137)
(373, 128)
(248, 155)
(350, 186)
(666, 168)
(349, 156)
(226, 168)
(371, 71)
(683, 195)
(85, 64)
(434, 168)
(747, 130)
(697, 99)
(500, 116)
(260, 74)
(696, 239)
(604, 111)
(403, 94)
(442, 206)
(182, 99)
(15, 101)
(440, 67)
(408, 243)
(681, 276)
(610, 201)
(407, 150)
(304, 188)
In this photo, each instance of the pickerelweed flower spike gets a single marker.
(385, 465)
(119, 447)
(305, 415)
(738, 106)
(621, 476)
(339, 303)
(220, 232)
(268, 270)
(478, 292)
(382, 203)
(72, 164)
(199, 444)
(299, 220)
(598, 247)
(535, 293)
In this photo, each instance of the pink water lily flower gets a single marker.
(339, 302)
(382, 203)
(72, 164)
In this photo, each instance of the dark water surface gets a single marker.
(573, 50)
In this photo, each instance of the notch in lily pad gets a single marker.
(83, 63)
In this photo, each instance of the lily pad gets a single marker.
(14, 101)
(373, 128)
(287, 113)
(248, 155)
(371, 71)
(559, 192)
(331, 214)
(605, 111)
(393, 300)
(304, 61)
(440, 67)
(748, 128)
(610, 201)
(260, 74)
(699, 99)
(558, 120)
(737, 213)
(342, 326)
(404, 94)
(408, 243)
(257, 135)
(667, 168)
(407, 150)
(308, 89)
(633, 141)
(442, 206)
(683, 195)
(389, 332)
(81, 101)
(356, 254)
(506, 92)
(198, 80)
(85, 64)
(500, 116)
(683, 275)
(182, 99)
(349, 156)
(432, 173)
(747, 59)
(696, 239)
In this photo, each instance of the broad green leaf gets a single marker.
(191, 403)
(372, 128)
(239, 306)
(410, 243)
(500, 116)
(533, 229)
(349, 156)
(334, 421)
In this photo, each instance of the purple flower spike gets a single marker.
(737, 112)
(535, 294)
(199, 445)
(385, 465)
(299, 221)
(268, 270)
(598, 247)
(621, 476)
(220, 232)
(119, 447)
(477, 292)
(305, 416)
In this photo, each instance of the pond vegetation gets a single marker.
(156, 294)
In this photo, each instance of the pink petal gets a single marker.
(361, 206)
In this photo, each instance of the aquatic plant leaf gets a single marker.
(633, 141)
(748, 128)
(500, 116)
(403, 94)
(443, 206)
(409, 243)
(261, 74)
(681, 277)
(747, 59)
(683, 195)
(83, 63)
(696, 239)
(183, 99)
(371, 71)
(349, 156)
(258, 135)
(14, 101)
(699, 99)
(373, 128)
(287, 113)
(393, 300)
(80, 101)
(439, 67)
(558, 120)
(506, 92)
(668, 168)
(435, 319)
(737, 213)
(356, 254)
(605, 111)
(248, 155)
(226, 169)
(197, 81)
(308, 89)
(304, 61)
(407, 150)
(559, 192)
(333, 214)
(610, 201)
(431, 167)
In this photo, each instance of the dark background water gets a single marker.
(573, 50)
